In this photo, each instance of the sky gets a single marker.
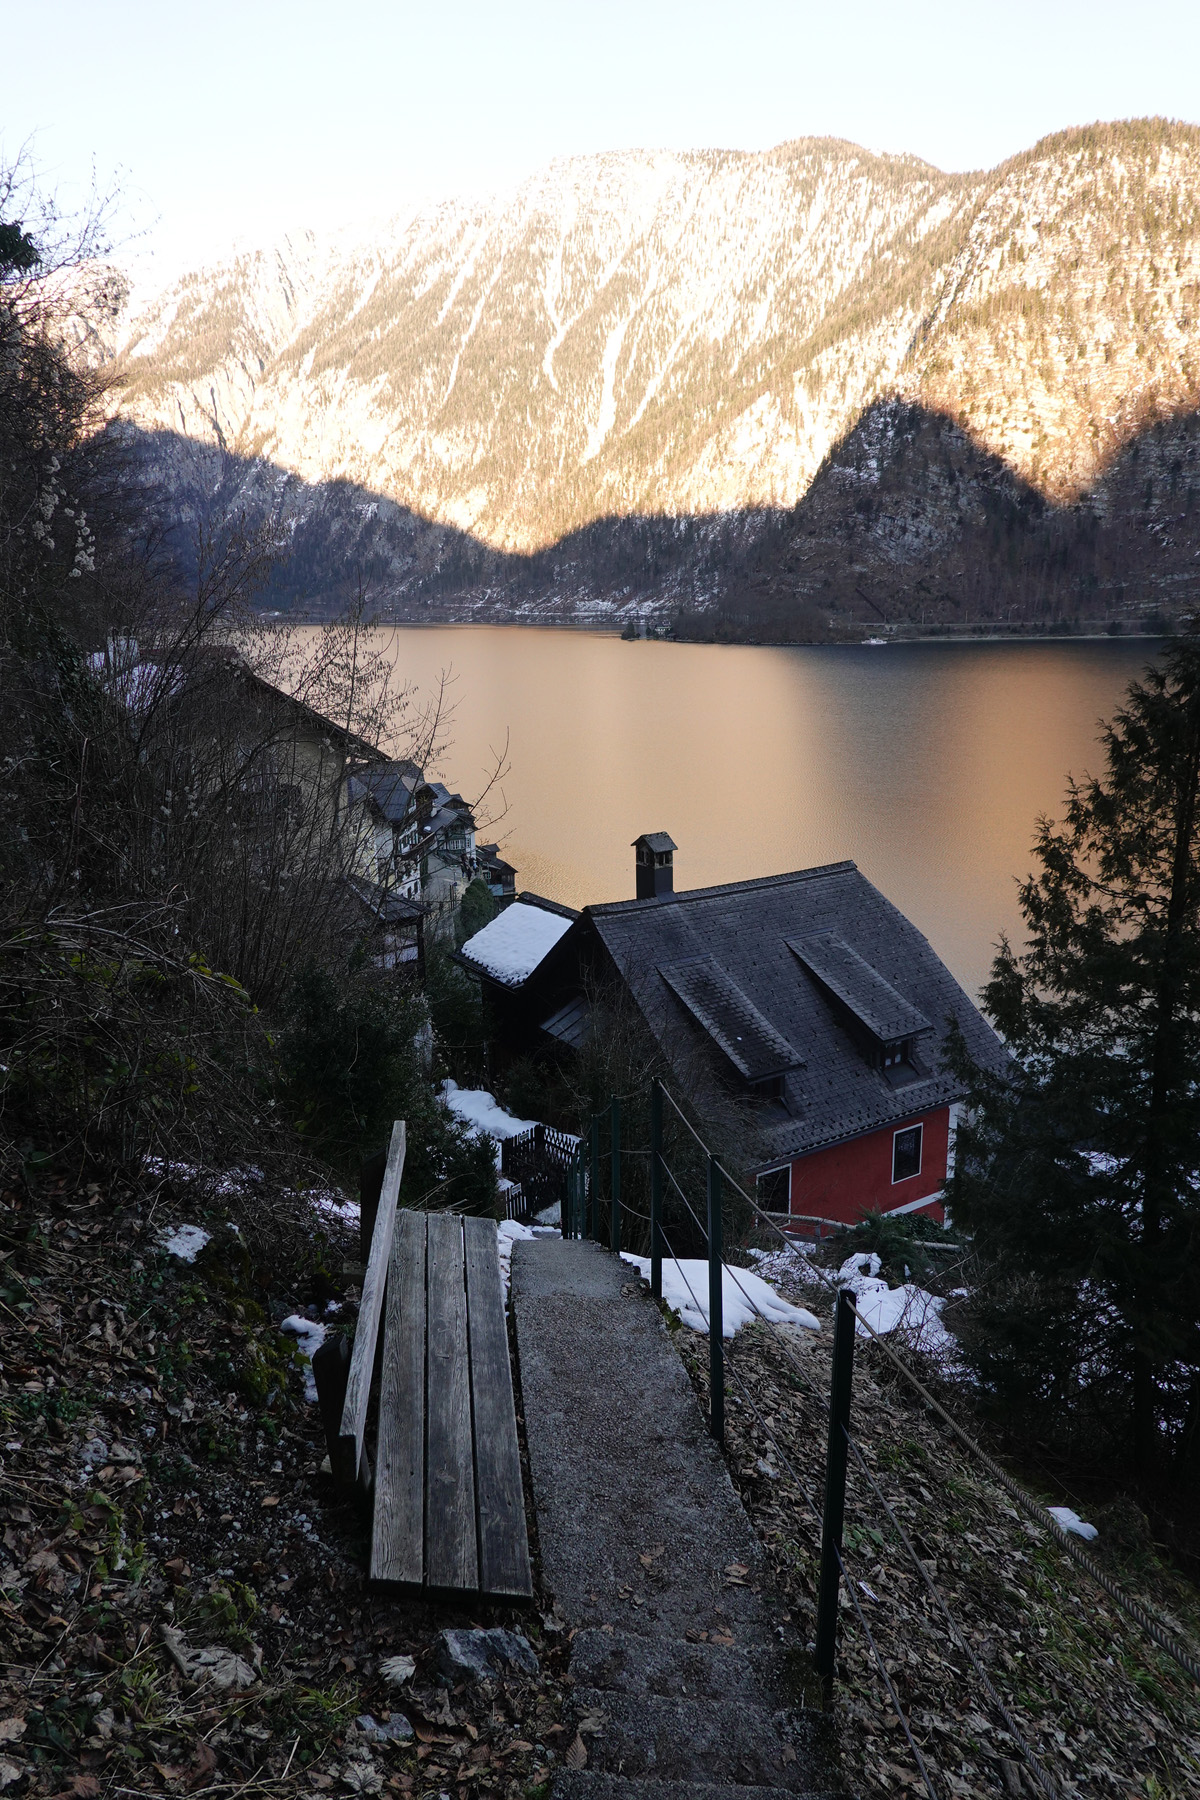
(223, 121)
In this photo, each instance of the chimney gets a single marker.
(655, 865)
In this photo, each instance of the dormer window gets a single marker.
(896, 1054)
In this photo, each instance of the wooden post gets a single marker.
(615, 1222)
(656, 1119)
(351, 1437)
(836, 1456)
(716, 1306)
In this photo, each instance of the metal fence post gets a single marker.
(836, 1455)
(595, 1138)
(656, 1120)
(716, 1308)
(615, 1231)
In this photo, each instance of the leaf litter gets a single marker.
(183, 1603)
(1100, 1707)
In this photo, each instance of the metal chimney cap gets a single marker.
(658, 841)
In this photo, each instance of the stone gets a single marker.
(482, 1655)
(396, 1730)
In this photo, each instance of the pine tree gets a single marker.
(1081, 1174)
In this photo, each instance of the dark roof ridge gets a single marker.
(604, 907)
(526, 898)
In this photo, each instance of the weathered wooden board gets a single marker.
(499, 1497)
(398, 1527)
(362, 1360)
(451, 1544)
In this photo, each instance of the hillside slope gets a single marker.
(701, 338)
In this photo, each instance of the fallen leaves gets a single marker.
(397, 1671)
(575, 1755)
(214, 1665)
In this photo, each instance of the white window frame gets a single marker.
(918, 1127)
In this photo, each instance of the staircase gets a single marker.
(682, 1656)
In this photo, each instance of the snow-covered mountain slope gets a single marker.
(670, 335)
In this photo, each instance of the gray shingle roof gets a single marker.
(391, 787)
(657, 841)
(744, 930)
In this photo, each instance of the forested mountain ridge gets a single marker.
(722, 343)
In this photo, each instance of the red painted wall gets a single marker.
(856, 1177)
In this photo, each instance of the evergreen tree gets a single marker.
(1081, 1174)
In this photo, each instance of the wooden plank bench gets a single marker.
(449, 1510)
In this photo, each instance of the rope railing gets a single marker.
(842, 1443)
(1154, 1628)
(783, 1457)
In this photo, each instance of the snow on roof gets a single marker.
(512, 946)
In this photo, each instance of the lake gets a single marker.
(927, 764)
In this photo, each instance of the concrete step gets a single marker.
(628, 1663)
(650, 1736)
(638, 1520)
(587, 1785)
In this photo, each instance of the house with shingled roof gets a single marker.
(804, 1008)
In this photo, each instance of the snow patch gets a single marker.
(882, 1308)
(334, 1204)
(481, 1111)
(508, 1233)
(513, 945)
(184, 1241)
(1070, 1521)
(309, 1336)
(744, 1295)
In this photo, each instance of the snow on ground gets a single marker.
(1070, 1521)
(309, 1336)
(479, 1109)
(184, 1241)
(883, 1308)
(513, 945)
(744, 1296)
(334, 1204)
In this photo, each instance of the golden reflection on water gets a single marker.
(928, 764)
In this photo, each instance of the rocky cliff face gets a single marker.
(716, 380)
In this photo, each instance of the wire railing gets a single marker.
(582, 1218)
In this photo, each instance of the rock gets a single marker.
(482, 1655)
(397, 1671)
(397, 1730)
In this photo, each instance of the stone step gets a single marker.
(629, 1663)
(650, 1736)
(587, 1785)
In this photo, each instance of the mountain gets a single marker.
(809, 385)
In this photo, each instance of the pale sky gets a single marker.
(224, 119)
